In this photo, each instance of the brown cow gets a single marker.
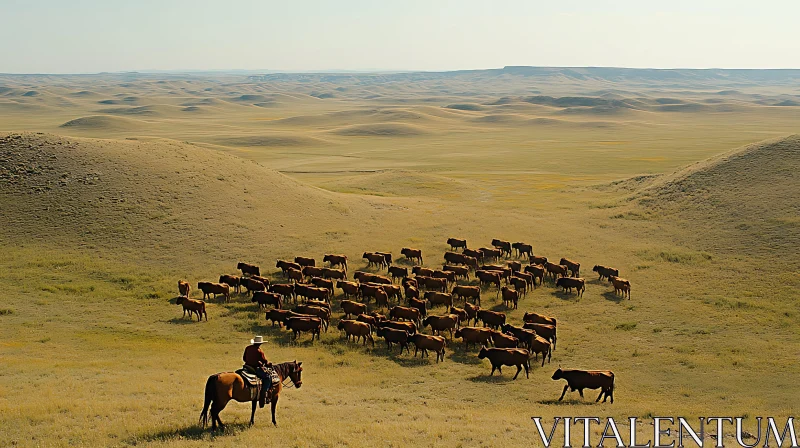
(490, 254)
(322, 283)
(456, 243)
(520, 285)
(544, 330)
(406, 282)
(408, 327)
(412, 292)
(474, 335)
(537, 271)
(349, 288)
(447, 275)
(491, 319)
(233, 281)
(393, 336)
(294, 275)
(387, 256)
(263, 280)
(441, 323)
(471, 262)
(398, 272)
(252, 285)
(571, 282)
(375, 259)
(435, 284)
(621, 285)
(502, 340)
(184, 288)
(529, 279)
(476, 254)
(311, 292)
(465, 292)
(322, 313)
(504, 246)
(279, 316)
(573, 266)
(209, 288)
(515, 266)
(454, 258)
(500, 357)
(439, 298)
(421, 271)
(418, 304)
(459, 271)
(405, 313)
(539, 319)
(284, 289)
(556, 270)
(487, 278)
(193, 306)
(537, 260)
(357, 330)
(368, 291)
(424, 342)
(381, 298)
(541, 345)
(522, 249)
(321, 304)
(393, 292)
(264, 298)
(304, 261)
(462, 315)
(336, 260)
(333, 274)
(472, 311)
(312, 271)
(366, 318)
(284, 265)
(299, 325)
(509, 297)
(415, 255)
(605, 272)
(353, 308)
(248, 269)
(587, 379)
(525, 336)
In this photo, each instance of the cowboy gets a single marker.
(256, 361)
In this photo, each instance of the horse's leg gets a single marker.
(273, 405)
(253, 413)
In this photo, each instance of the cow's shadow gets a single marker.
(611, 296)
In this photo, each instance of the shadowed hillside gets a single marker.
(743, 201)
(175, 198)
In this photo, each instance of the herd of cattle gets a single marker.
(422, 289)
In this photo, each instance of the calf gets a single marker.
(502, 340)
(587, 379)
(405, 313)
(441, 323)
(357, 330)
(193, 306)
(353, 308)
(424, 342)
(456, 243)
(573, 266)
(398, 272)
(538, 318)
(510, 297)
(491, 319)
(474, 335)
(336, 260)
(264, 298)
(571, 282)
(414, 255)
(233, 281)
(605, 272)
(500, 357)
(621, 285)
(304, 261)
(439, 298)
(393, 336)
(468, 292)
(546, 331)
(209, 288)
(248, 269)
(184, 288)
(299, 325)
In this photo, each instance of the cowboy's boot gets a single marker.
(262, 400)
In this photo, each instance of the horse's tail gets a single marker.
(211, 384)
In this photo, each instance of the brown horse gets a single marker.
(224, 387)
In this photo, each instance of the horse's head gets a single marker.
(296, 373)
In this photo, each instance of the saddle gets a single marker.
(251, 380)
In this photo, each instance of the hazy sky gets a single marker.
(80, 36)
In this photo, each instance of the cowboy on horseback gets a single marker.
(256, 362)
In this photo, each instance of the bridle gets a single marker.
(289, 383)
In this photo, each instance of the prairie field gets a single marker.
(115, 186)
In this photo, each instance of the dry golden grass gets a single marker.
(98, 223)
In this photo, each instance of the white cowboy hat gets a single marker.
(257, 340)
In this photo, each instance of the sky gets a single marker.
(90, 36)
